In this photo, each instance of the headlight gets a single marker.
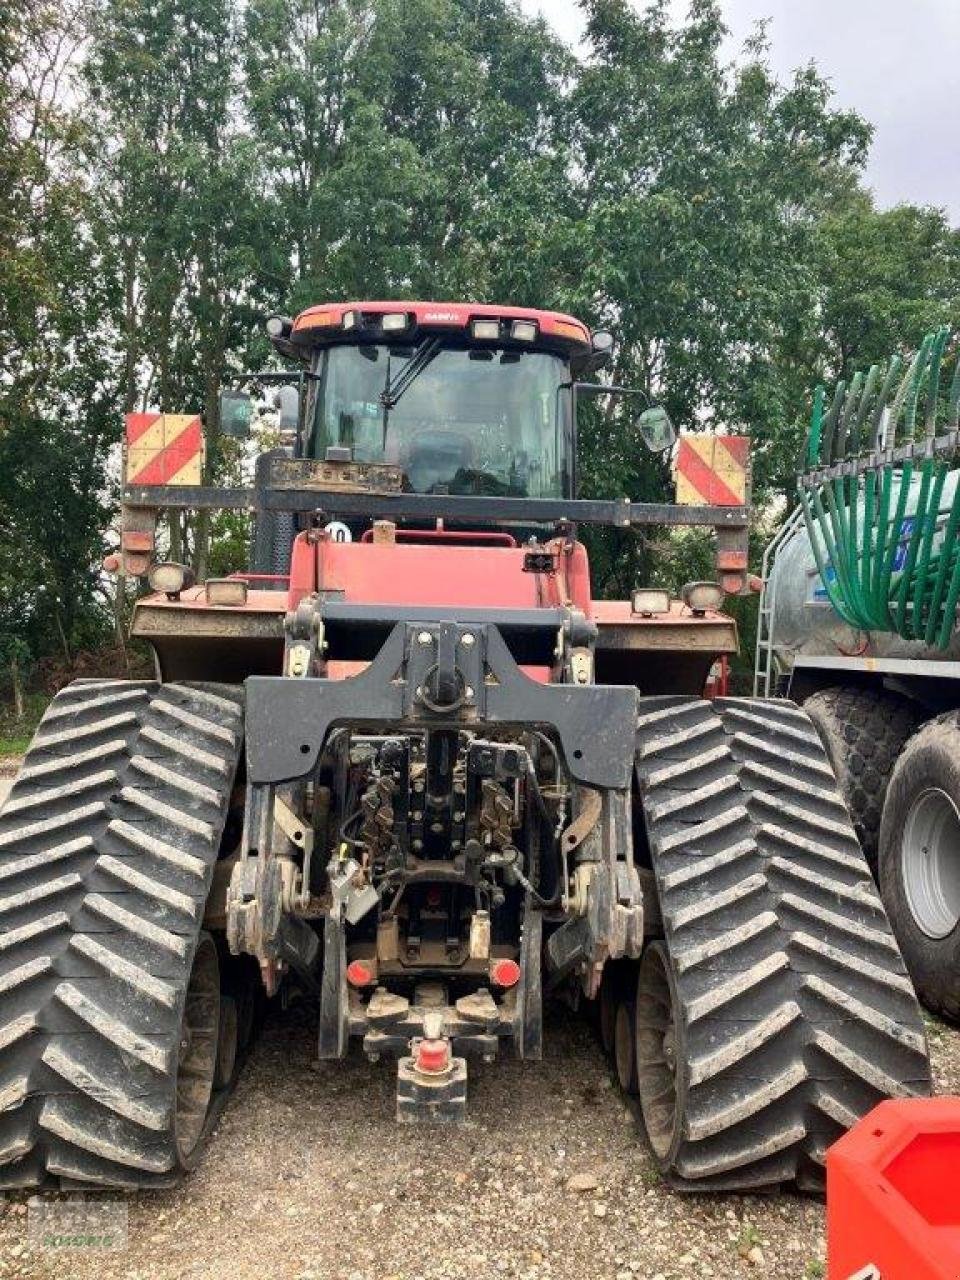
(169, 577)
(349, 320)
(648, 601)
(524, 331)
(394, 323)
(279, 326)
(226, 591)
(701, 596)
(486, 330)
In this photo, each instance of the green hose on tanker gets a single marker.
(881, 497)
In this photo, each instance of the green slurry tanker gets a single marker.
(859, 622)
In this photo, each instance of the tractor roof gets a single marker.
(339, 321)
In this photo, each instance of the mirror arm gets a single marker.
(609, 388)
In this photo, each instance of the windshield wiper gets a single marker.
(392, 392)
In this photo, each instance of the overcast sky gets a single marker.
(897, 62)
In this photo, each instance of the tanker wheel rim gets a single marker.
(657, 1062)
(930, 863)
(197, 1050)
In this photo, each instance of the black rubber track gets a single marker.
(108, 842)
(797, 1015)
(864, 732)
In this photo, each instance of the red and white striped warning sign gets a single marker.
(712, 471)
(164, 448)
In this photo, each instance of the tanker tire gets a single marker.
(863, 731)
(930, 761)
(777, 1010)
(108, 842)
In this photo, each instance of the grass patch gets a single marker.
(15, 734)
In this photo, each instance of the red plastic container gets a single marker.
(893, 1194)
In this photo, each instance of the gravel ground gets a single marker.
(307, 1177)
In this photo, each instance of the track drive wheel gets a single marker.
(657, 1052)
(777, 1010)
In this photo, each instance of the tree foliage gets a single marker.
(175, 170)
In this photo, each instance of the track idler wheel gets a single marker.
(607, 1001)
(658, 1041)
(624, 1046)
(200, 1028)
(227, 1042)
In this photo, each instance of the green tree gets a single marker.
(701, 189)
(888, 276)
(55, 368)
(413, 145)
(186, 232)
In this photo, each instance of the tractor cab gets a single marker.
(455, 399)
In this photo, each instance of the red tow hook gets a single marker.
(433, 1057)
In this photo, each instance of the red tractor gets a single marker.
(411, 767)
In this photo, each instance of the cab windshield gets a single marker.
(471, 422)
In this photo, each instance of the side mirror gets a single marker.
(236, 412)
(656, 430)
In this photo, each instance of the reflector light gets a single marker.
(395, 323)
(319, 320)
(361, 973)
(504, 973)
(524, 331)
(564, 330)
(433, 1056)
(169, 577)
(486, 330)
(649, 601)
(226, 591)
(701, 596)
